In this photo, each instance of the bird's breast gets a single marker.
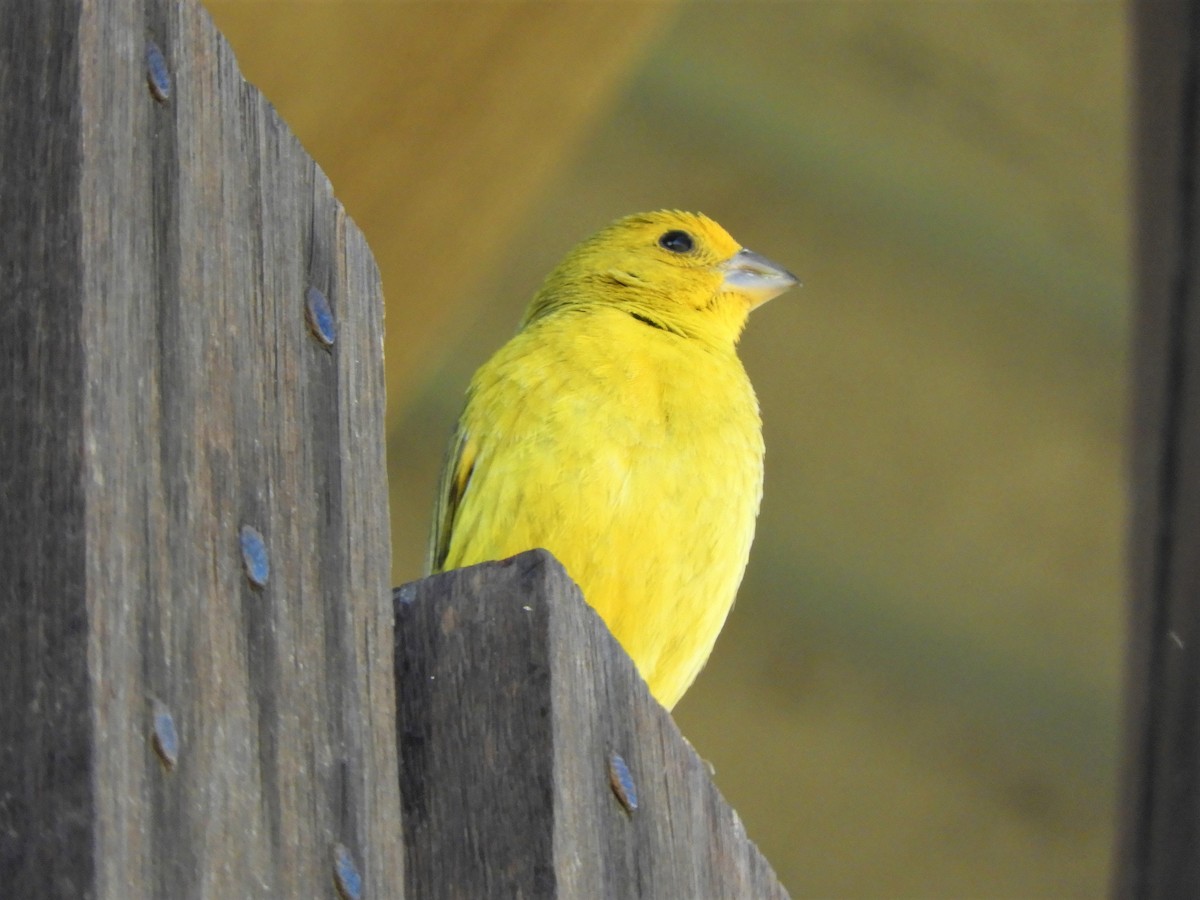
(638, 463)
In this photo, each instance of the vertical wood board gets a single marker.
(171, 383)
(1158, 853)
(513, 697)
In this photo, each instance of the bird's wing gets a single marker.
(456, 475)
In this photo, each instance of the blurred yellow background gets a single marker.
(917, 692)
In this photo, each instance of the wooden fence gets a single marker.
(1158, 853)
(199, 693)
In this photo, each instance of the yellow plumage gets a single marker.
(618, 430)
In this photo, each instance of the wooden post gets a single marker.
(1158, 852)
(167, 727)
(513, 700)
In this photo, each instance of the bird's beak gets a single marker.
(755, 277)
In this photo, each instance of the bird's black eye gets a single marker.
(676, 241)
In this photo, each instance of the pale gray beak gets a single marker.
(755, 277)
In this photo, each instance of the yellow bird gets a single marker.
(618, 430)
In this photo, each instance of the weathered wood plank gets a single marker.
(1159, 832)
(512, 697)
(162, 389)
(46, 796)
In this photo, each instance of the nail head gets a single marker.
(345, 874)
(157, 73)
(254, 556)
(621, 780)
(319, 315)
(166, 736)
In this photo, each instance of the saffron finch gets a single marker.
(618, 430)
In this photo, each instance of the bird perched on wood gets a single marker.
(618, 430)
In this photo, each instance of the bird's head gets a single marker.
(677, 271)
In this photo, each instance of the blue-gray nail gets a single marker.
(157, 73)
(254, 556)
(345, 874)
(621, 780)
(166, 736)
(319, 315)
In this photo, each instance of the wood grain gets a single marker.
(513, 696)
(1159, 830)
(162, 390)
(47, 801)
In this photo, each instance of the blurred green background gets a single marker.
(917, 692)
